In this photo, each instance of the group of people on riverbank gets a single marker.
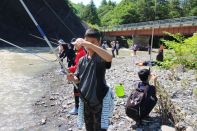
(93, 97)
(115, 46)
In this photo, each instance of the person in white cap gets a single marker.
(80, 52)
(62, 51)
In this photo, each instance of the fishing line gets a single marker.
(42, 39)
(59, 18)
(25, 50)
(46, 39)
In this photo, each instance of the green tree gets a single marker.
(131, 11)
(162, 9)
(90, 14)
(104, 9)
(70, 5)
(193, 11)
(190, 7)
(103, 3)
(111, 3)
(79, 9)
(117, 15)
(146, 9)
(181, 51)
(175, 9)
(130, 17)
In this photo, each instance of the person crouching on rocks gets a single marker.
(143, 99)
(94, 92)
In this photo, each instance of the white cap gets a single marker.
(61, 41)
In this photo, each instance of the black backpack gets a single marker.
(141, 102)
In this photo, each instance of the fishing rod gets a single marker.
(53, 39)
(152, 37)
(25, 50)
(45, 38)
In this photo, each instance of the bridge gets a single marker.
(183, 25)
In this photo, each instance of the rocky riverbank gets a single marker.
(52, 109)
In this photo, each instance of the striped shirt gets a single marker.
(107, 110)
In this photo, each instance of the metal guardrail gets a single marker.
(183, 21)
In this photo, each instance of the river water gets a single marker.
(20, 86)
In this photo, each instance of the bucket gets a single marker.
(119, 90)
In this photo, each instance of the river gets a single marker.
(19, 86)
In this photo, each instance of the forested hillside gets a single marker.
(131, 11)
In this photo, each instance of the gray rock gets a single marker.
(189, 128)
(52, 98)
(167, 128)
(43, 121)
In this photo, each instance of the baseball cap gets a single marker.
(60, 41)
(73, 41)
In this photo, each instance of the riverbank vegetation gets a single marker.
(181, 51)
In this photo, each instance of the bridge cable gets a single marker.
(46, 39)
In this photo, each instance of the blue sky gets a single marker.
(96, 2)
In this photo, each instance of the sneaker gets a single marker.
(74, 111)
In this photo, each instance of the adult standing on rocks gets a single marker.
(70, 54)
(113, 47)
(80, 53)
(91, 76)
(62, 51)
(117, 48)
(159, 56)
(135, 48)
(66, 50)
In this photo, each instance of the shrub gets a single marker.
(130, 42)
(181, 51)
(195, 92)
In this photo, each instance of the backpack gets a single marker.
(141, 102)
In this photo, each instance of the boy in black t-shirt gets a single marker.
(90, 75)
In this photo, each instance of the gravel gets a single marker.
(53, 108)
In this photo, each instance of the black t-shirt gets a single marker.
(70, 53)
(91, 73)
(160, 56)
